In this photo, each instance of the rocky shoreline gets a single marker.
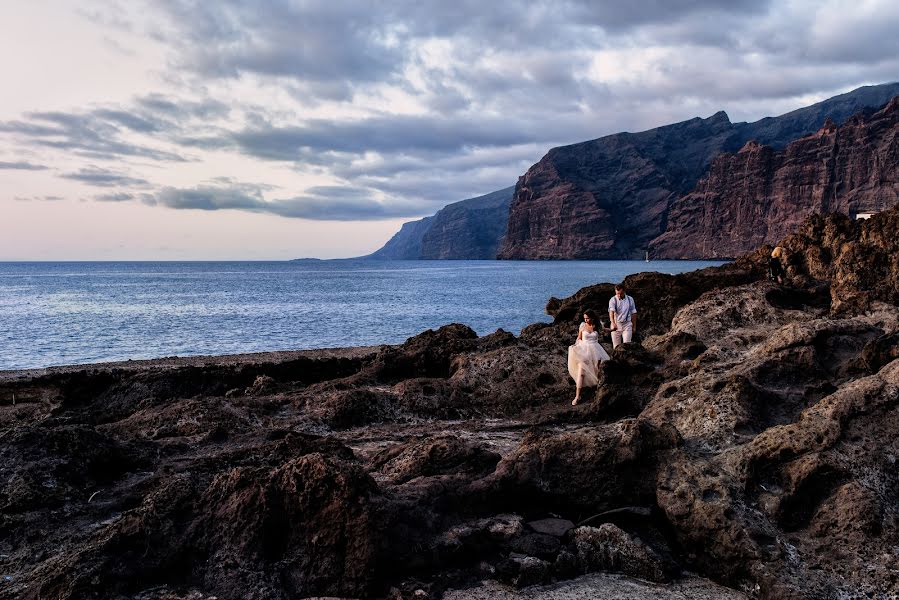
(750, 440)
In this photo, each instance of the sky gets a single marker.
(249, 130)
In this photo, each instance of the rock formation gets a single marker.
(610, 197)
(750, 439)
(759, 194)
(468, 230)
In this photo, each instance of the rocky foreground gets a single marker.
(750, 441)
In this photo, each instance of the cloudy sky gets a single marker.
(174, 129)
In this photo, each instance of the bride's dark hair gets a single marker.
(589, 312)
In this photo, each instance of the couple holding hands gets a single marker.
(586, 353)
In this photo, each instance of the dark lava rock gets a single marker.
(263, 384)
(608, 548)
(658, 296)
(752, 439)
(434, 456)
(537, 544)
(427, 354)
(878, 353)
(523, 571)
(554, 527)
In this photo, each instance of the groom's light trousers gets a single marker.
(624, 334)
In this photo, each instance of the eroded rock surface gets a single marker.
(759, 194)
(623, 194)
(750, 439)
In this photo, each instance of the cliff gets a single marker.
(469, 229)
(750, 439)
(610, 197)
(760, 194)
(405, 243)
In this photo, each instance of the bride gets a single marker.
(585, 355)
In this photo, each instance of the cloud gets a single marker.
(95, 134)
(39, 198)
(104, 178)
(319, 41)
(407, 105)
(326, 203)
(182, 110)
(119, 197)
(21, 166)
(384, 134)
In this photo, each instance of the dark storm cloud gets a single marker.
(614, 15)
(326, 203)
(104, 178)
(389, 134)
(493, 85)
(312, 41)
(21, 166)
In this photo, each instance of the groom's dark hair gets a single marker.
(620, 286)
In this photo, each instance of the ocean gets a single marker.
(85, 312)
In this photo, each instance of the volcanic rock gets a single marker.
(556, 527)
(608, 548)
(466, 230)
(749, 437)
(610, 197)
(760, 195)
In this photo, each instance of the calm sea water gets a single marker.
(67, 313)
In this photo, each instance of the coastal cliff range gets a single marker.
(746, 449)
(613, 197)
(470, 229)
(761, 194)
(610, 198)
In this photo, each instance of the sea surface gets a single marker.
(85, 312)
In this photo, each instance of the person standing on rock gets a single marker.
(585, 355)
(623, 315)
(775, 268)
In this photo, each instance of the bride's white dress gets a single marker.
(583, 357)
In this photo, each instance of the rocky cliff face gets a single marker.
(610, 197)
(760, 194)
(607, 198)
(752, 439)
(405, 243)
(471, 229)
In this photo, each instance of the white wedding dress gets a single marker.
(583, 358)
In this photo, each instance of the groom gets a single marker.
(623, 315)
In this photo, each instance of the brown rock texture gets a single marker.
(759, 195)
(609, 198)
(751, 439)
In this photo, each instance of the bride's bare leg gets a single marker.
(580, 384)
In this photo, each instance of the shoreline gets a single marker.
(204, 360)
(746, 439)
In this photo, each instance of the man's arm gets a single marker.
(633, 315)
(612, 322)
